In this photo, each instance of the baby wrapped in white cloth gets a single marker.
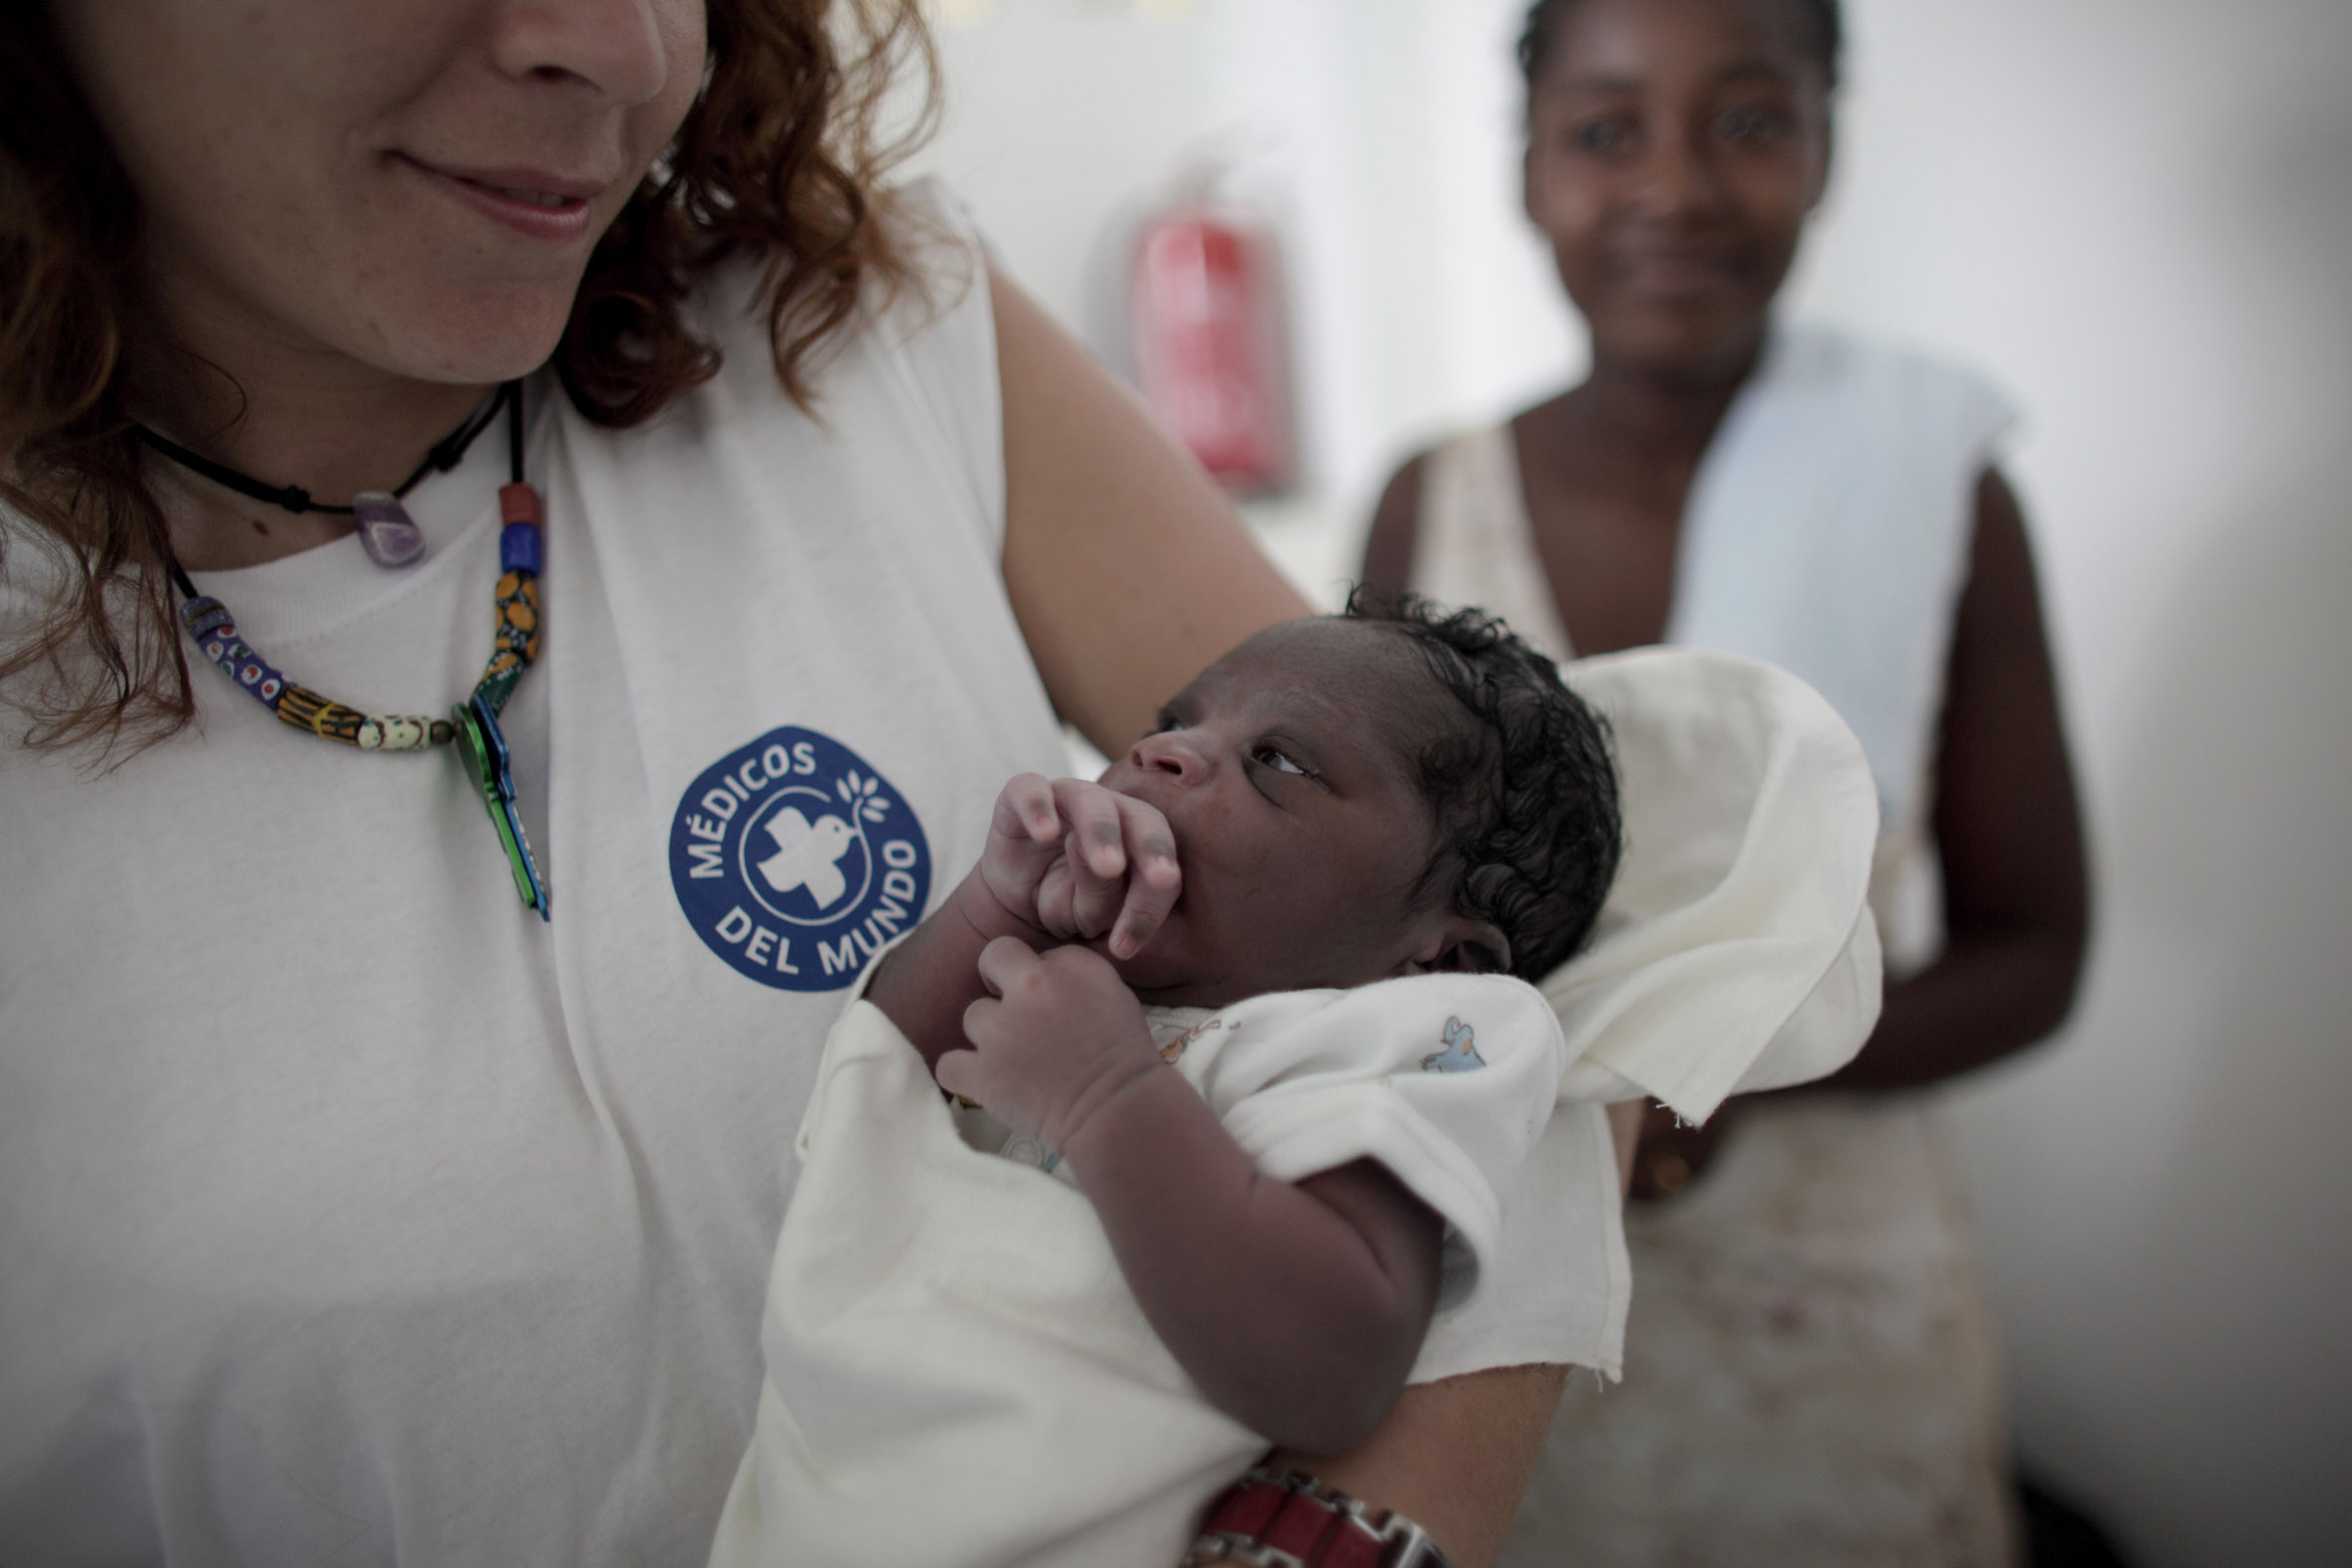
(962, 1366)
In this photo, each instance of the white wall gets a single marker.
(1379, 138)
(2137, 214)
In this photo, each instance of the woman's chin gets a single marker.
(483, 335)
(1689, 338)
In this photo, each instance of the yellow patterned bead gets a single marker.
(396, 733)
(337, 723)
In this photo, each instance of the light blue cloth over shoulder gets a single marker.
(1827, 532)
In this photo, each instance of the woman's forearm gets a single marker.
(1988, 995)
(1455, 1456)
(2007, 833)
(1298, 1308)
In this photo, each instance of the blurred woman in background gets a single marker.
(1812, 1374)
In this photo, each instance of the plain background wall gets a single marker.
(2136, 215)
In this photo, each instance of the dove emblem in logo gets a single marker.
(796, 862)
(807, 854)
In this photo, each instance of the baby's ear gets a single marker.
(1461, 944)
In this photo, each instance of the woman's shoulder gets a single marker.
(933, 300)
(909, 380)
(1462, 486)
(1454, 447)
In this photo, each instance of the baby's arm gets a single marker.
(1298, 1308)
(1064, 860)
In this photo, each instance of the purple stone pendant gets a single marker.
(386, 532)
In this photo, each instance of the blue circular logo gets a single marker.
(795, 862)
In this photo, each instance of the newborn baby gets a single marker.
(1307, 893)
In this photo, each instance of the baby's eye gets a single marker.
(1167, 721)
(1274, 757)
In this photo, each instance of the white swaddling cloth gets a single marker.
(1749, 821)
(957, 1373)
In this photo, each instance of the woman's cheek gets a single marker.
(686, 43)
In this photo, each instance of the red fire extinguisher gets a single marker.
(1205, 308)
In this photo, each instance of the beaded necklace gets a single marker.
(472, 724)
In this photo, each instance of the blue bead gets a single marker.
(518, 548)
(204, 614)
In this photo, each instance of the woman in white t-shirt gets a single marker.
(392, 1145)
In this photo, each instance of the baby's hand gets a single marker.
(1076, 862)
(1058, 1038)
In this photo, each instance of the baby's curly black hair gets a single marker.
(1525, 795)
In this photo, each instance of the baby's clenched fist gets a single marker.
(1078, 861)
(1058, 1036)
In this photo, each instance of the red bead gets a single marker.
(1352, 1547)
(519, 503)
(1245, 1509)
(1299, 1527)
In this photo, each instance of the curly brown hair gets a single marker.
(781, 157)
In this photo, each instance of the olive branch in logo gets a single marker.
(862, 796)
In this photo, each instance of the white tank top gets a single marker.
(348, 1213)
(1827, 532)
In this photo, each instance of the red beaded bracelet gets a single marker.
(1281, 1518)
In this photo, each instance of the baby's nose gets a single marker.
(1173, 753)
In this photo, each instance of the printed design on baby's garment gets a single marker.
(1174, 1050)
(1461, 1052)
(796, 862)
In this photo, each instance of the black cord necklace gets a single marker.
(473, 722)
(386, 532)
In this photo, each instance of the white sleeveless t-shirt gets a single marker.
(350, 1213)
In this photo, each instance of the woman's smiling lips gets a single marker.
(1677, 270)
(532, 202)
